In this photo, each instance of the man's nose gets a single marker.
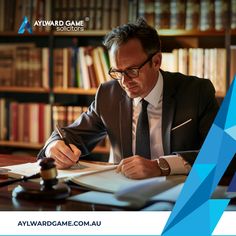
(125, 78)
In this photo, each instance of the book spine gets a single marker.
(206, 15)
(162, 14)
(233, 14)
(192, 15)
(221, 9)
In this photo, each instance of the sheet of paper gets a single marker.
(27, 169)
(173, 193)
(109, 181)
(125, 189)
(99, 198)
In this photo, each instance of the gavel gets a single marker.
(49, 188)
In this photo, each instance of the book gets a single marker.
(207, 15)
(233, 14)
(82, 168)
(123, 192)
(221, 11)
(177, 14)
(103, 177)
(232, 62)
(162, 14)
(192, 15)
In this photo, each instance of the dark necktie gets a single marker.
(142, 133)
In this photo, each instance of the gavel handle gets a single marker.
(24, 178)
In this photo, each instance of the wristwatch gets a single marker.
(164, 167)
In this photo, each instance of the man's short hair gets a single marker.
(140, 30)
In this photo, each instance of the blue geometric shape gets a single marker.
(231, 131)
(203, 170)
(214, 157)
(216, 209)
(25, 25)
(185, 206)
(224, 118)
(207, 215)
(211, 146)
(227, 151)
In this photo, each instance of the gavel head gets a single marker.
(48, 173)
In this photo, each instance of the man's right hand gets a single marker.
(63, 156)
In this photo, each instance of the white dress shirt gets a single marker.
(177, 164)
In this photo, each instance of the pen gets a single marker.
(23, 178)
(63, 137)
(187, 121)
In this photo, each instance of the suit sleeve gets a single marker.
(85, 132)
(207, 110)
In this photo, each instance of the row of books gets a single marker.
(31, 122)
(24, 122)
(232, 62)
(87, 67)
(66, 115)
(27, 66)
(24, 65)
(181, 14)
(207, 63)
(83, 67)
(97, 14)
(13, 11)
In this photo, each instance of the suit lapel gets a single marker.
(168, 110)
(125, 113)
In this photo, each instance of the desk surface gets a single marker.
(11, 204)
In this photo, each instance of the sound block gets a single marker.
(57, 192)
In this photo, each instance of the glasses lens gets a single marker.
(115, 74)
(132, 73)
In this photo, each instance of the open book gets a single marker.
(100, 177)
(83, 168)
(103, 177)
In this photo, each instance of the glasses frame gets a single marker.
(122, 72)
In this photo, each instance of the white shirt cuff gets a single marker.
(47, 153)
(177, 164)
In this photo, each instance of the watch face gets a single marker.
(164, 166)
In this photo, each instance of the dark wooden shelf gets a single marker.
(101, 150)
(37, 146)
(21, 144)
(85, 33)
(220, 95)
(75, 91)
(189, 33)
(233, 32)
(26, 34)
(91, 33)
(23, 89)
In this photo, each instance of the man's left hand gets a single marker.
(137, 167)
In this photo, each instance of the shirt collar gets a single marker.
(154, 96)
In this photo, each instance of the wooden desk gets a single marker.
(7, 203)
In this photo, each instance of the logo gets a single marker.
(63, 25)
(25, 25)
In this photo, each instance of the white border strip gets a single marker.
(101, 223)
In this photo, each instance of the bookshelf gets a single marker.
(48, 41)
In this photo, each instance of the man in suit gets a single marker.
(179, 111)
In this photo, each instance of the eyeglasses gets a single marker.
(131, 72)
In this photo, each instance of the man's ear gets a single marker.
(156, 60)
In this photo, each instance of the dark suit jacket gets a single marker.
(184, 98)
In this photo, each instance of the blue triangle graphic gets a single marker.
(25, 25)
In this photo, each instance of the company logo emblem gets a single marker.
(25, 25)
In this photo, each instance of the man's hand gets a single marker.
(137, 167)
(63, 156)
